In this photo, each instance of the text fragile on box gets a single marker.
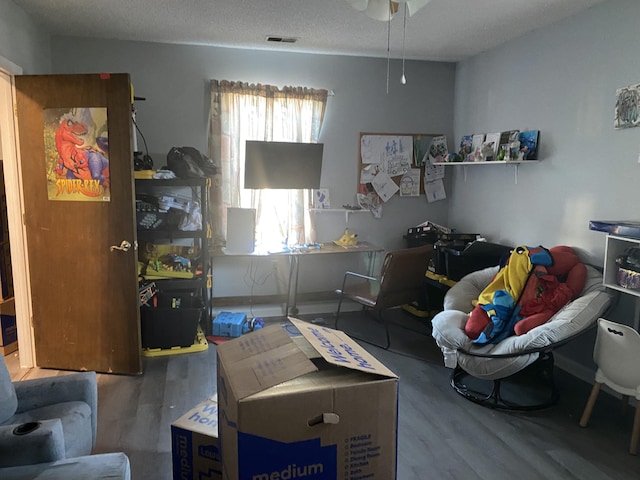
(310, 404)
(194, 443)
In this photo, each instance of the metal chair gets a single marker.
(617, 355)
(401, 281)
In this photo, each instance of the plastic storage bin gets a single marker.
(448, 242)
(475, 256)
(418, 236)
(227, 324)
(628, 279)
(172, 321)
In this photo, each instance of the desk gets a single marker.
(295, 254)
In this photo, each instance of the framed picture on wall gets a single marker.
(627, 113)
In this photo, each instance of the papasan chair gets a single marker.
(516, 372)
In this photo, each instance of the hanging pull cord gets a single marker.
(403, 79)
(388, 44)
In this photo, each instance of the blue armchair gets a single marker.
(47, 419)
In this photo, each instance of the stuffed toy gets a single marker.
(547, 292)
(532, 285)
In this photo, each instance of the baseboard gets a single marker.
(574, 368)
(319, 303)
(302, 298)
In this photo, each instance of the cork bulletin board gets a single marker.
(400, 155)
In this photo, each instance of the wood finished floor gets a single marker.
(440, 434)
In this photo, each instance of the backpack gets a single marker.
(188, 162)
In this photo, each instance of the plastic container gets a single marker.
(227, 324)
(475, 256)
(447, 242)
(628, 279)
(172, 322)
(419, 236)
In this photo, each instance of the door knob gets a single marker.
(124, 246)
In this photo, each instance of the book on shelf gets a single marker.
(529, 144)
(490, 146)
(509, 145)
(476, 141)
(466, 146)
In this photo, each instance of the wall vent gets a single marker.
(278, 39)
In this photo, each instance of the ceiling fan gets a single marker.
(384, 10)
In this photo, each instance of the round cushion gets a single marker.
(574, 317)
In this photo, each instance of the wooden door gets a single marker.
(74, 136)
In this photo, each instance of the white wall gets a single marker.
(22, 41)
(175, 79)
(561, 80)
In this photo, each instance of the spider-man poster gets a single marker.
(76, 146)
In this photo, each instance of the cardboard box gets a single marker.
(227, 324)
(8, 328)
(7, 349)
(314, 406)
(6, 272)
(194, 443)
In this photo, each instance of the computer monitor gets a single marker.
(282, 165)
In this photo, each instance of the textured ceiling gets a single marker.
(448, 30)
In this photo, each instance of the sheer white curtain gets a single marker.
(241, 112)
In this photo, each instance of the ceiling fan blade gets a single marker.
(380, 10)
(360, 5)
(415, 5)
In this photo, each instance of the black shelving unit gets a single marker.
(166, 231)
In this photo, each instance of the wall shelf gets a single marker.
(515, 163)
(497, 162)
(339, 210)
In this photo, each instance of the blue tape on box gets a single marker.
(228, 324)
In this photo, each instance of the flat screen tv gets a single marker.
(282, 165)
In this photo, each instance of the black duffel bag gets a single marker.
(188, 162)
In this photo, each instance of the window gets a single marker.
(241, 112)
